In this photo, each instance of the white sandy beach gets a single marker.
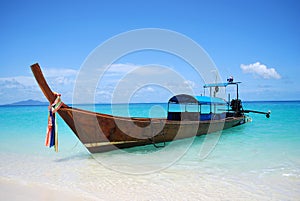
(28, 191)
(79, 177)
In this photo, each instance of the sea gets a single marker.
(259, 160)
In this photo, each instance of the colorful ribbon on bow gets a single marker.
(52, 135)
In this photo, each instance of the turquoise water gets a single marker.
(259, 160)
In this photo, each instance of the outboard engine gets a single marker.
(236, 106)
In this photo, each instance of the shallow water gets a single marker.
(259, 160)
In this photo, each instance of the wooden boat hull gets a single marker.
(102, 132)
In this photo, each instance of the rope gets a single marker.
(153, 135)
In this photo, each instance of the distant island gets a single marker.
(28, 102)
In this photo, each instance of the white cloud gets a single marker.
(189, 83)
(55, 72)
(121, 68)
(13, 89)
(18, 88)
(260, 70)
(142, 83)
(153, 82)
(150, 89)
(10, 82)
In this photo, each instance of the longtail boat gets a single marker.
(187, 117)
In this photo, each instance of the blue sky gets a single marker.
(258, 42)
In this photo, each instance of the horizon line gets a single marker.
(41, 103)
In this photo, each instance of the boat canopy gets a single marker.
(225, 84)
(200, 100)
